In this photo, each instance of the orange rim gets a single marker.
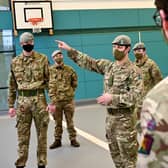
(34, 21)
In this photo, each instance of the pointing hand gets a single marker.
(63, 45)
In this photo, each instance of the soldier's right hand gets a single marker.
(51, 108)
(12, 112)
(63, 45)
(104, 99)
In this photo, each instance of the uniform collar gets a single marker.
(141, 61)
(125, 64)
(28, 58)
(61, 66)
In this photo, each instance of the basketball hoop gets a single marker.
(36, 28)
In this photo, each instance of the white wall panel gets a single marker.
(101, 4)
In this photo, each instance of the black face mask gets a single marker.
(28, 47)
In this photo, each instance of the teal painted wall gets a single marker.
(92, 32)
(5, 20)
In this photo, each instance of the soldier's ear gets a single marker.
(128, 48)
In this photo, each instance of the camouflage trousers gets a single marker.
(67, 108)
(28, 109)
(122, 139)
(158, 157)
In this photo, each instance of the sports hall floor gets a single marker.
(93, 153)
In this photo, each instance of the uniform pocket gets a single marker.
(19, 74)
(37, 73)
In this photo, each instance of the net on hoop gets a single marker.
(36, 28)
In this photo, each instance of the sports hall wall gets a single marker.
(92, 31)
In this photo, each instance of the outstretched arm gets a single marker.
(83, 60)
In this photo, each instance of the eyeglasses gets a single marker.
(157, 18)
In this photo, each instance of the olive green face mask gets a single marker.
(138, 55)
(118, 55)
(59, 60)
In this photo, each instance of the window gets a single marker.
(4, 5)
(6, 54)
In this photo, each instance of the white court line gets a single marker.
(88, 136)
(84, 134)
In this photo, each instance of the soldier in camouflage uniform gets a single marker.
(151, 73)
(154, 114)
(62, 85)
(154, 122)
(28, 79)
(122, 86)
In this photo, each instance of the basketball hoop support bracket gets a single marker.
(36, 28)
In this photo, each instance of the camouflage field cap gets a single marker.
(56, 52)
(139, 45)
(122, 40)
(26, 37)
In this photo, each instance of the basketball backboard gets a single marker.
(23, 11)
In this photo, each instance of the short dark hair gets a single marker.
(162, 4)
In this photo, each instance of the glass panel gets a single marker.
(5, 60)
(6, 54)
(3, 102)
(6, 41)
(4, 4)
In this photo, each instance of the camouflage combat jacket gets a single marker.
(151, 73)
(155, 107)
(155, 103)
(123, 82)
(27, 73)
(62, 83)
